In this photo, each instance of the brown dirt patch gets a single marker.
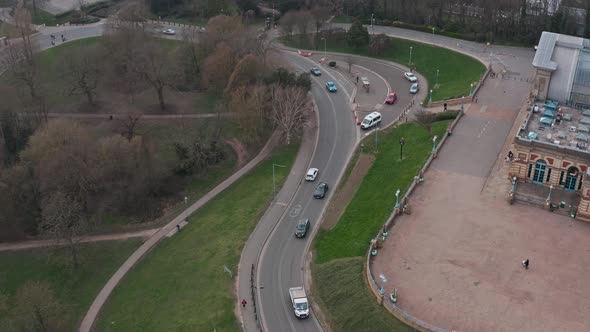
(240, 150)
(345, 194)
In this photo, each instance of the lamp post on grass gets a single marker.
(430, 100)
(274, 186)
(372, 21)
(401, 146)
(436, 79)
(411, 56)
(471, 90)
(397, 198)
(434, 143)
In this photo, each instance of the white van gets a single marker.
(371, 120)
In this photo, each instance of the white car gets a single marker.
(411, 77)
(312, 173)
(414, 88)
(169, 31)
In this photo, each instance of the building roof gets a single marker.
(558, 128)
(546, 48)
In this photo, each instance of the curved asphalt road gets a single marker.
(283, 256)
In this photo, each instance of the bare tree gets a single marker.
(129, 124)
(288, 22)
(82, 71)
(63, 220)
(37, 308)
(218, 67)
(246, 71)
(154, 65)
(320, 17)
(264, 47)
(122, 46)
(304, 22)
(290, 109)
(22, 21)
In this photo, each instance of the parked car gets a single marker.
(410, 77)
(302, 227)
(331, 86)
(312, 173)
(391, 98)
(169, 31)
(414, 88)
(321, 190)
(315, 71)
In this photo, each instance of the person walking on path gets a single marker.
(244, 303)
(525, 264)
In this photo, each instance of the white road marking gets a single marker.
(483, 129)
(483, 108)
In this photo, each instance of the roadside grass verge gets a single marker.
(75, 289)
(456, 71)
(346, 299)
(181, 285)
(375, 198)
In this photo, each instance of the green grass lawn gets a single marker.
(181, 285)
(456, 71)
(74, 289)
(347, 301)
(43, 17)
(375, 199)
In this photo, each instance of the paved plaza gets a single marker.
(456, 260)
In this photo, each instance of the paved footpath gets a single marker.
(93, 238)
(108, 288)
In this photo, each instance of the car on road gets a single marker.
(391, 98)
(312, 173)
(331, 86)
(301, 228)
(411, 77)
(371, 120)
(169, 31)
(321, 190)
(414, 88)
(315, 71)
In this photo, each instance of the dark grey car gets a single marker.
(301, 228)
(321, 190)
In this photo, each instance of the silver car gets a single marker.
(414, 88)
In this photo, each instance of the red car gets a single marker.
(391, 98)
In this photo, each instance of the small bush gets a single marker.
(444, 116)
(85, 20)
(387, 22)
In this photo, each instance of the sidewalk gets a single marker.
(253, 247)
(101, 298)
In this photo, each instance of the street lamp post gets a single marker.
(433, 40)
(434, 143)
(549, 196)
(401, 146)
(397, 198)
(274, 186)
(471, 90)
(436, 78)
(430, 100)
(372, 20)
(325, 49)
(410, 56)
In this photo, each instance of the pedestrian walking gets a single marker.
(244, 303)
(525, 264)
(357, 80)
(178, 228)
